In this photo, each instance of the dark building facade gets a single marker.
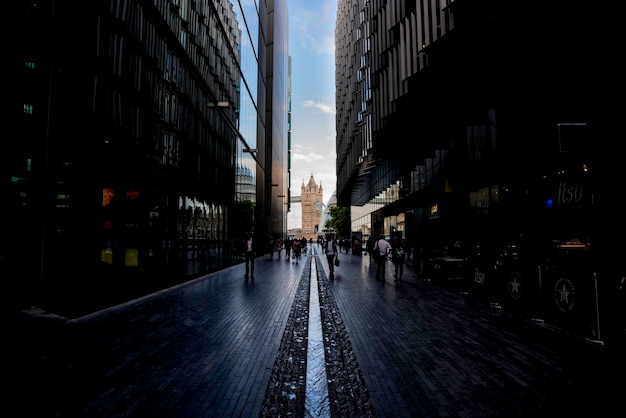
(145, 145)
(483, 126)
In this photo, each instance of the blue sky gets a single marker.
(312, 51)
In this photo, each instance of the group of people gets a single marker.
(380, 250)
(343, 244)
(293, 247)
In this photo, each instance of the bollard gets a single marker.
(595, 283)
(540, 300)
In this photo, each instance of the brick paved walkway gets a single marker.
(223, 346)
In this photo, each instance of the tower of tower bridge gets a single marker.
(312, 208)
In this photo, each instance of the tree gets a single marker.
(339, 221)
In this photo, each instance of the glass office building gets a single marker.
(145, 145)
(477, 130)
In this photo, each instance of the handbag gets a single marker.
(336, 261)
(376, 253)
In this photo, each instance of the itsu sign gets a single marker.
(570, 194)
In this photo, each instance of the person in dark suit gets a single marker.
(330, 249)
(248, 252)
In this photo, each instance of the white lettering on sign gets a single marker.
(569, 193)
(479, 277)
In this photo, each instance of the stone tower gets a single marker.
(312, 206)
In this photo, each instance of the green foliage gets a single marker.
(339, 221)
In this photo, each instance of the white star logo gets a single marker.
(515, 286)
(564, 294)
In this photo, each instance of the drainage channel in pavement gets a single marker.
(316, 373)
(316, 399)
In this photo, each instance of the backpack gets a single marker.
(398, 254)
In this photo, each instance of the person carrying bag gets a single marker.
(331, 256)
(381, 249)
(376, 252)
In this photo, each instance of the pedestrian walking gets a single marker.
(331, 252)
(296, 250)
(279, 247)
(369, 247)
(381, 250)
(249, 254)
(398, 258)
(288, 246)
(303, 245)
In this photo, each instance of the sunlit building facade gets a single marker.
(144, 150)
(311, 195)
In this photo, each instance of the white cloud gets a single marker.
(312, 47)
(312, 152)
(316, 28)
(306, 154)
(326, 108)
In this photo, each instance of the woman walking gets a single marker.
(398, 258)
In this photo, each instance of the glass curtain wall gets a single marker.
(247, 15)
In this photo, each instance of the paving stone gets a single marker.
(224, 346)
